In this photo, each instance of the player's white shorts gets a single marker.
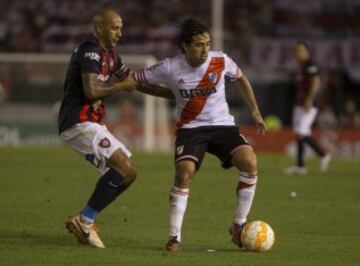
(303, 120)
(95, 142)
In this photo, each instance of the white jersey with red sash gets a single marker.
(199, 91)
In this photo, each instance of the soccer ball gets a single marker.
(257, 236)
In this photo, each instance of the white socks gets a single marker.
(178, 203)
(245, 193)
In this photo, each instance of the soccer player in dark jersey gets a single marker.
(305, 111)
(95, 72)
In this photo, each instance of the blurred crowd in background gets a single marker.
(52, 26)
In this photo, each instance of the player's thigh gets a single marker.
(225, 141)
(244, 159)
(190, 145)
(98, 146)
(303, 120)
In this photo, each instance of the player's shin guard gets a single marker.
(178, 203)
(107, 189)
(245, 193)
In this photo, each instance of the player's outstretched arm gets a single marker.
(156, 90)
(250, 99)
(95, 88)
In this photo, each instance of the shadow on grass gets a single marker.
(25, 238)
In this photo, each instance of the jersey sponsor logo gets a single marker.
(197, 92)
(92, 56)
(179, 149)
(105, 143)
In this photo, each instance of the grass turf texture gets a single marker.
(39, 188)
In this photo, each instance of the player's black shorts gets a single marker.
(193, 143)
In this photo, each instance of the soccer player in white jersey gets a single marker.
(305, 111)
(197, 79)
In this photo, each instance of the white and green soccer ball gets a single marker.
(257, 236)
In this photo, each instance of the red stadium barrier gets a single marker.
(342, 143)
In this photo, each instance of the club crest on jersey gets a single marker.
(179, 149)
(213, 77)
(105, 143)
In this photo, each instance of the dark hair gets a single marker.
(187, 29)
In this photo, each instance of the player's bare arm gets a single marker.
(95, 89)
(250, 99)
(156, 90)
(314, 88)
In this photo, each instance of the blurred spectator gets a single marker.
(350, 118)
(126, 126)
(3, 94)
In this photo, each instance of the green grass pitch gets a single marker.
(39, 188)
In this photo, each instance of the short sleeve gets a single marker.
(89, 58)
(155, 74)
(232, 70)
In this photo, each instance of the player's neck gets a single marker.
(102, 43)
(191, 63)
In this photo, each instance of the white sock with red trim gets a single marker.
(178, 203)
(245, 194)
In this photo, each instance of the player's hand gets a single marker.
(128, 84)
(122, 74)
(260, 124)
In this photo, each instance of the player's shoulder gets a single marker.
(220, 55)
(169, 63)
(216, 53)
(89, 48)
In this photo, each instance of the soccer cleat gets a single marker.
(173, 244)
(235, 231)
(324, 162)
(295, 170)
(85, 233)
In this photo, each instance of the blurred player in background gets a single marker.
(304, 114)
(197, 79)
(95, 72)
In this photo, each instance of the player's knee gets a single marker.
(130, 174)
(184, 172)
(249, 164)
(127, 170)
